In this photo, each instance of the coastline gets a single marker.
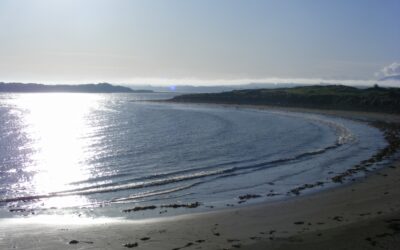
(369, 209)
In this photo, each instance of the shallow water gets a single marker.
(97, 154)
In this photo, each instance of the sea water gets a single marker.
(99, 154)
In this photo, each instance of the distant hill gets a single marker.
(340, 97)
(212, 89)
(81, 88)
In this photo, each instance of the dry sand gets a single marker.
(363, 215)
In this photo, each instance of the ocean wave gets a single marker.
(180, 176)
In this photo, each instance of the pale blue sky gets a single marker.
(204, 41)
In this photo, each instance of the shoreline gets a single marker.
(311, 221)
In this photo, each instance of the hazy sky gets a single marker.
(203, 41)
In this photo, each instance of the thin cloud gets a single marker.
(390, 70)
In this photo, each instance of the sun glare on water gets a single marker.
(57, 125)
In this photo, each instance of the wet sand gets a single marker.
(360, 215)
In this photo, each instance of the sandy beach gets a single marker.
(361, 215)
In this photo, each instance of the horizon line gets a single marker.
(215, 82)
